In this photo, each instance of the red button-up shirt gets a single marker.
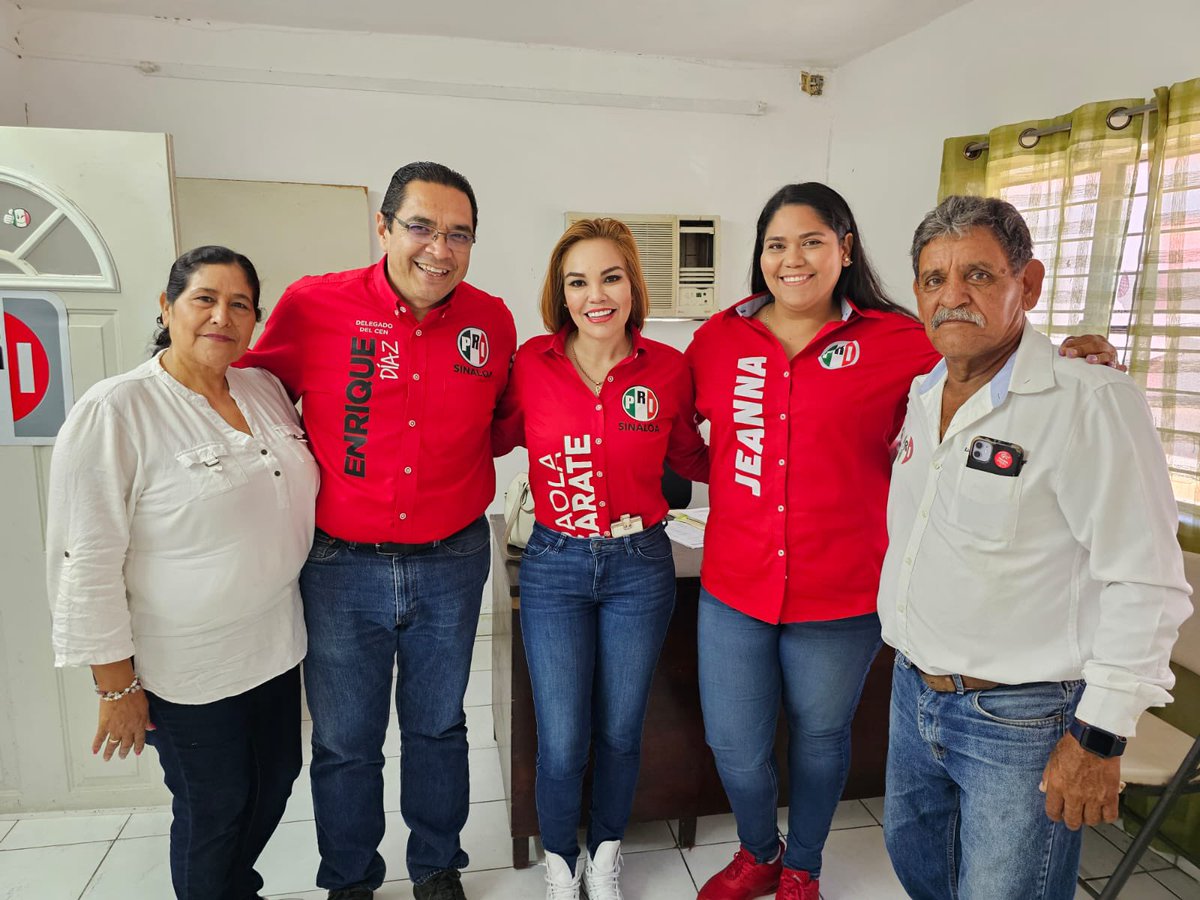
(801, 455)
(593, 459)
(398, 412)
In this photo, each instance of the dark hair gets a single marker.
(956, 215)
(434, 173)
(185, 267)
(858, 280)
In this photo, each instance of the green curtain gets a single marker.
(1076, 190)
(1164, 321)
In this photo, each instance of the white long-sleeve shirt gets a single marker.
(178, 540)
(1070, 569)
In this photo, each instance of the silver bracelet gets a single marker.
(110, 696)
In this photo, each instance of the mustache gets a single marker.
(945, 314)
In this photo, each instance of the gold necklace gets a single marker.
(596, 385)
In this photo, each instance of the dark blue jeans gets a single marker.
(964, 816)
(594, 613)
(229, 765)
(818, 668)
(369, 614)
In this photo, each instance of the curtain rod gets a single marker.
(1030, 136)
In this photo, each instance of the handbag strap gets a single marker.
(511, 521)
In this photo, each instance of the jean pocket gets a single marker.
(324, 548)
(469, 541)
(1026, 706)
(537, 546)
(656, 548)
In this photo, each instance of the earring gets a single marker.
(158, 319)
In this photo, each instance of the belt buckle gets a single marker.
(627, 525)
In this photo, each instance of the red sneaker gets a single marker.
(796, 884)
(743, 879)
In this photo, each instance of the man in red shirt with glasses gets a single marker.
(399, 367)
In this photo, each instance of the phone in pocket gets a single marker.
(998, 457)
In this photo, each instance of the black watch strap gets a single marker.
(1102, 743)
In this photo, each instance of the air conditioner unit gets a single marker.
(679, 261)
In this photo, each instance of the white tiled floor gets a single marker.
(109, 854)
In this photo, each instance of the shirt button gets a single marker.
(783, 462)
(607, 534)
(404, 309)
(787, 374)
(599, 440)
(780, 507)
(403, 515)
(408, 470)
(412, 423)
(418, 332)
(908, 560)
(610, 378)
(781, 553)
(599, 407)
(67, 554)
(416, 376)
(924, 514)
(937, 465)
(603, 504)
(599, 474)
(263, 452)
(782, 416)
(277, 473)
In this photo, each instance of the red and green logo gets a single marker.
(840, 354)
(640, 404)
(473, 346)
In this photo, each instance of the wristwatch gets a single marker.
(1095, 740)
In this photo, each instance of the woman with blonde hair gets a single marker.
(600, 408)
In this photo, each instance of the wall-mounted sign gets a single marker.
(18, 217)
(35, 367)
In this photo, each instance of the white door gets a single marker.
(95, 227)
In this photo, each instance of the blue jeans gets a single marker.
(229, 765)
(369, 613)
(594, 614)
(963, 815)
(818, 668)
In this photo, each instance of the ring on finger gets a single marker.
(114, 740)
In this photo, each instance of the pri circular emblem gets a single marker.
(473, 346)
(640, 403)
(840, 355)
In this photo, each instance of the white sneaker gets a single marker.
(561, 882)
(601, 872)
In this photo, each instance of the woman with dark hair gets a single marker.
(163, 483)
(805, 384)
(599, 408)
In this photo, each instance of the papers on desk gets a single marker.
(686, 526)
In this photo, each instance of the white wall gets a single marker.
(529, 162)
(12, 110)
(983, 65)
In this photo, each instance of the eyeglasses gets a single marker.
(423, 234)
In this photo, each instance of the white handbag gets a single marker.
(518, 513)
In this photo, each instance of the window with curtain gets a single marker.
(1112, 198)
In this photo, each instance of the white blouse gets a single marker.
(178, 540)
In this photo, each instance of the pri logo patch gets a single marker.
(473, 346)
(640, 404)
(840, 354)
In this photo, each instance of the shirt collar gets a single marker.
(390, 298)
(749, 307)
(1029, 370)
(559, 342)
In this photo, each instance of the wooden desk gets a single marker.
(678, 777)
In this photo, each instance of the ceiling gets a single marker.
(818, 33)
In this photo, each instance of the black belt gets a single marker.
(384, 548)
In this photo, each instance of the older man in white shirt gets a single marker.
(1033, 586)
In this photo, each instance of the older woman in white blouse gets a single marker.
(181, 512)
